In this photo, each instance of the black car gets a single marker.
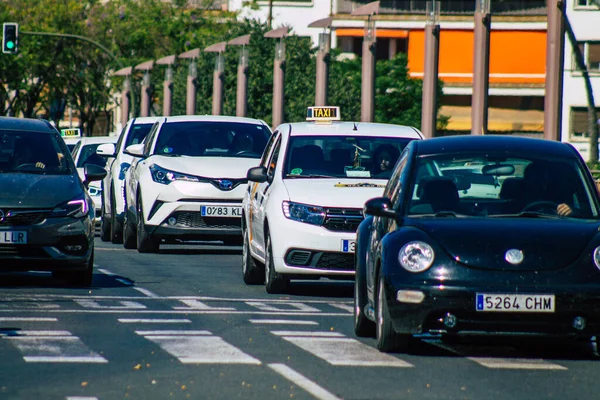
(480, 234)
(46, 213)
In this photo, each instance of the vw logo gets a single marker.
(514, 256)
(225, 184)
(2, 216)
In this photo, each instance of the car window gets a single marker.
(212, 139)
(267, 152)
(33, 152)
(88, 156)
(394, 187)
(149, 139)
(343, 156)
(274, 158)
(137, 133)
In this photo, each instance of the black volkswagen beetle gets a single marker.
(480, 234)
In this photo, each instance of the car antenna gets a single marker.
(355, 127)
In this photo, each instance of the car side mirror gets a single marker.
(93, 172)
(136, 150)
(106, 150)
(258, 174)
(379, 207)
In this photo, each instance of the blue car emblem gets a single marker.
(514, 256)
(225, 184)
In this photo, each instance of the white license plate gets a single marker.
(515, 302)
(348, 246)
(13, 237)
(221, 211)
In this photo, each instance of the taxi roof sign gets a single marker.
(72, 132)
(323, 114)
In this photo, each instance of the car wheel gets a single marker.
(387, 338)
(129, 234)
(104, 226)
(252, 271)
(145, 242)
(116, 227)
(82, 278)
(363, 327)
(274, 283)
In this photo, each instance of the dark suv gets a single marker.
(46, 213)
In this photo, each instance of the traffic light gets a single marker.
(10, 38)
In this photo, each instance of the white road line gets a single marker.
(80, 398)
(105, 271)
(27, 319)
(153, 321)
(124, 281)
(303, 382)
(35, 333)
(345, 307)
(202, 350)
(307, 334)
(60, 359)
(294, 305)
(177, 333)
(282, 322)
(147, 292)
(129, 311)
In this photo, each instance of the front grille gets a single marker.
(336, 261)
(23, 217)
(196, 220)
(21, 251)
(342, 219)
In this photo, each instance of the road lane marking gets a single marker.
(52, 347)
(298, 306)
(282, 322)
(303, 382)
(198, 349)
(341, 306)
(153, 321)
(340, 350)
(197, 305)
(123, 304)
(105, 271)
(80, 398)
(147, 292)
(27, 319)
(124, 281)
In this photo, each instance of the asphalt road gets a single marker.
(182, 325)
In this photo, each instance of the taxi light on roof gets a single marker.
(323, 114)
(75, 132)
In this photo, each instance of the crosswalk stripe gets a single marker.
(340, 350)
(282, 322)
(153, 321)
(302, 381)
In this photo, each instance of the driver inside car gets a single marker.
(31, 154)
(242, 143)
(540, 187)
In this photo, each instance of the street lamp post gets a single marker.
(368, 61)
(555, 55)
(322, 60)
(430, 76)
(145, 101)
(190, 104)
(217, 97)
(481, 68)
(278, 74)
(167, 84)
(241, 99)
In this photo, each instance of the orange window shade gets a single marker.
(380, 33)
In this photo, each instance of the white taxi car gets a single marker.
(84, 153)
(304, 202)
(189, 180)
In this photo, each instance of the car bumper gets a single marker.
(452, 309)
(54, 244)
(304, 249)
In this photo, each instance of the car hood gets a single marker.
(483, 243)
(350, 193)
(209, 167)
(36, 190)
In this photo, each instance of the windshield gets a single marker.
(137, 134)
(500, 186)
(32, 152)
(342, 156)
(212, 139)
(88, 156)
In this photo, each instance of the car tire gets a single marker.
(145, 242)
(252, 271)
(386, 337)
(82, 278)
(129, 234)
(274, 283)
(116, 227)
(104, 226)
(363, 327)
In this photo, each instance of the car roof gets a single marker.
(145, 120)
(26, 124)
(493, 143)
(348, 128)
(98, 139)
(212, 118)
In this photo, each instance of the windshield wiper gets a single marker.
(311, 176)
(440, 214)
(525, 214)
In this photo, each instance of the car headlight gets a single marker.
(165, 176)
(416, 256)
(123, 170)
(76, 208)
(94, 191)
(597, 257)
(304, 213)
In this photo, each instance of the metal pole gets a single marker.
(145, 100)
(125, 101)
(368, 73)
(278, 84)
(322, 69)
(241, 101)
(481, 70)
(430, 80)
(555, 50)
(191, 89)
(217, 105)
(168, 92)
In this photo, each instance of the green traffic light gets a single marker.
(10, 45)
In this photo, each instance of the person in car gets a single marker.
(384, 159)
(539, 186)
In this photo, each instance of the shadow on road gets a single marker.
(21, 280)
